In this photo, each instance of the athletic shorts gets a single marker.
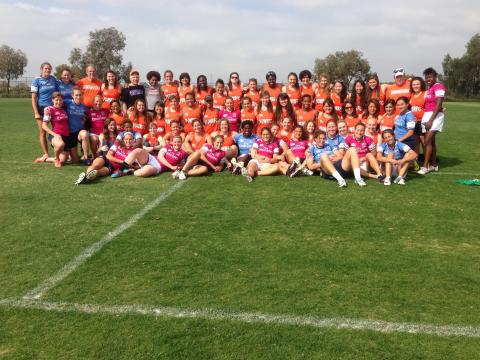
(41, 111)
(418, 129)
(260, 166)
(437, 124)
(411, 143)
(153, 162)
(71, 141)
(338, 166)
(64, 139)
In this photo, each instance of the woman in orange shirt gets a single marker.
(235, 90)
(358, 97)
(219, 96)
(272, 87)
(210, 116)
(306, 113)
(175, 130)
(284, 109)
(328, 113)
(197, 138)
(373, 111)
(202, 90)
(322, 92)
(229, 146)
(172, 113)
(185, 87)
(387, 120)
(117, 114)
(418, 88)
(159, 119)
(292, 89)
(110, 89)
(190, 112)
(338, 96)
(252, 92)
(307, 87)
(374, 91)
(350, 116)
(169, 87)
(139, 116)
(264, 113)
(248, 111)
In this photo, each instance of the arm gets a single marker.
(186, 144)
(164, 162)
(205, 160)
(36, 112)
(408, 157)
(438, 108)
(406, 136)
(112, 158)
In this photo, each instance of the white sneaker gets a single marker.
(244, 171)
(307, 172)
(401, 181)
(397, 179)
(249, 178)
(91, 175)
(360, 182)
(175, 174)
(182, 176)
(433, 168)
(342, 183)
(423, 171)
(81, 179)
(387, 181)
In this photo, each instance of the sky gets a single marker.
(251, 37)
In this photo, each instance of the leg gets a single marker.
(311, 165)
(43, 142)
(372, 161)
(58, 146)
(429, 137)
(252, 168)
(231, 152)
(289, 157)
(84, 139)
(145, 171)
(94, 142)
(198, 170)
(433, 158)
(192, 160)
(283, 167)
(270, 170)
(388, 166)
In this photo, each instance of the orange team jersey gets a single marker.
(218, 101)
(282, 135)
(171, 115)
(309, 90)
(109, 95)
(161, 126)
(374, 137)
(322, 119)
(254, 95)
(295, 95)
(152, 139)
(197, 143)
(337, 102)
(381, 99)
(201, 95)
(182, 91)
(236, 95)
(190, 114)
(274, 92)
(417, 103)
(210, 120)
(90, 88)
(169, 89)
(394, 92)
(351, 122)
(227, 139)
(118, 120)
(387, 122)
(264, 120)
(359, 109)
(248, 114)
(320, 96)
(304, 116)
(139, 124)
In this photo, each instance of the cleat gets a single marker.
(293, 166)
(91, 175)
(87, 162)
(433, 168)
(360, 182)
(401, 181)
(423, 171)
(248, 178)
(381, 178)
(342, 183)
(81, 179)
(387, 181)
(244, 171)
(182, 176)
(116, 174)
(416, 167)
(307, 172)
(175, 174)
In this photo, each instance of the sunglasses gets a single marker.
(398, 70)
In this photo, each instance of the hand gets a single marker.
(37, 116)
(428, 124)
(104, 148)
(217, 168)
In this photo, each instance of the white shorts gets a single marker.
(364, 166)
(154, 163)
(260, 166)
(437, 124)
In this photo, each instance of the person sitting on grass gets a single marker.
(265, 156)
(295, 150)
(108, 137)
(395, 156)
(244, 141)
(128, 128)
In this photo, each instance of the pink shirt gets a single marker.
(264, 149)
(213, 155)
(97, 117)
(233, 118)
(59, 121)
(436, 91)
(363, 146)
(298, 147)
(119, 153)
(174, 157)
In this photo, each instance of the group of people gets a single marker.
(303, 127)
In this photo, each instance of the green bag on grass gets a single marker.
(468, 181)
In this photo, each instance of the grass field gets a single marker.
(219, 268)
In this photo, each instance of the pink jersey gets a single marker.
(59, 121)
(363, 146)
(174, 157)
(298, 147)
(97, 117)
(119, 153)
(233, 118)
(436, 91)
(265, 149)
(213, 155)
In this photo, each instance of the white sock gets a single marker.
(356, 173)
(337, 176)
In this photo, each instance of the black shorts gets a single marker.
(338, 166)
(411, 143)
(418, 129)
(71, 141)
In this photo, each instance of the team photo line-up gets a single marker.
(304, 127)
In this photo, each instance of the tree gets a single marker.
(103, 50)
(77, 72)
(12, 64)
(346, 66)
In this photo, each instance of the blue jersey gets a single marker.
(398, 150)
(404, 123)
(335, 141)
(76, 116)
(44, 88)
(244, 144)
(317, 152)
(66, 90)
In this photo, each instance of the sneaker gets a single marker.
(91, 175)
(401, 181)
(293, 166)
(116, 174)
(244, 171)
(81, 179)
(416, 166)
(387, 181)
(295, 171)
(433, 168)
(342, 183)
(397, 179)
(423, 171)
(240, 168)
(175, 174)
(127, 171)
(360, 182)
(381, 178)
(248, 178)
(182, 176)
(307, 172)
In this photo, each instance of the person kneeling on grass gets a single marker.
(112, 163)
(396, 157)
(321, 155)
(265, 156)
(208, 158)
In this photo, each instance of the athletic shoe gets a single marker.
(248, 178)
(423, 171)
(87, 162)
(387, 181)
(397, 179)
(81, 179)
(401, 181)
(182, 176)
(244, 171)
(307, 172)
(295, 171)
(360, 182)
(293, 166)
(240, 168)
(175, 174)
(91, 175)
(127, 171)
(416, 166)
(381, 178)
(433, 168)
(342, 183)
(116, 174)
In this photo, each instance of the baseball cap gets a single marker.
(134, 71)
(271, 73)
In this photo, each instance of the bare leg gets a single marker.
(388, 166)
(85, 142)
(145, 171)
(327, 165)
(311, 165)
(373, 163)
(198, 170)
(43, 141)
(192, 160)
(252, 168)
(429, 136)
(139, 155)
(94, 142)
(270, 170)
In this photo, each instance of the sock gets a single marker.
(356, 173)
(337, 176)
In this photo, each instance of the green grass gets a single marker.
(276, 246)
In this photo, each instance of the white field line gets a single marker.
(70, 267)
(245, 317)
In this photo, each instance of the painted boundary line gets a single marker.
(87, 253)
(245, 317)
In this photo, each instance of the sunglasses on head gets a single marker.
(399, 70)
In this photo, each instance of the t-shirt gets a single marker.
(317, 151)
(264, 119)
(403, 124)
(304, 116)
(119, 153)
(363, 146)
(90, 88)
(174, 157)
(210, 118)
(110, 95)
(152, 95)
(236, 95)
(399, 150)
(213, 155)
(387, 122)
(274, 92)
(335, 142)
(264, 149)
(233, 118)
(298, 147)
(97, 119)
(394, 91)
(132, 93)
(44, 88)
(76, 116)
(66, 90)
(59, 121)
(436, 91)
(244, 144)
(294, 95)
(218, 101)
(189, 115)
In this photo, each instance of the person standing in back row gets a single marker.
(90, 85)
(133, 91)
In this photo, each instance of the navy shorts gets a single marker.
(338, 166)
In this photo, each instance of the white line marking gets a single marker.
(70, 267)
(245, 317)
